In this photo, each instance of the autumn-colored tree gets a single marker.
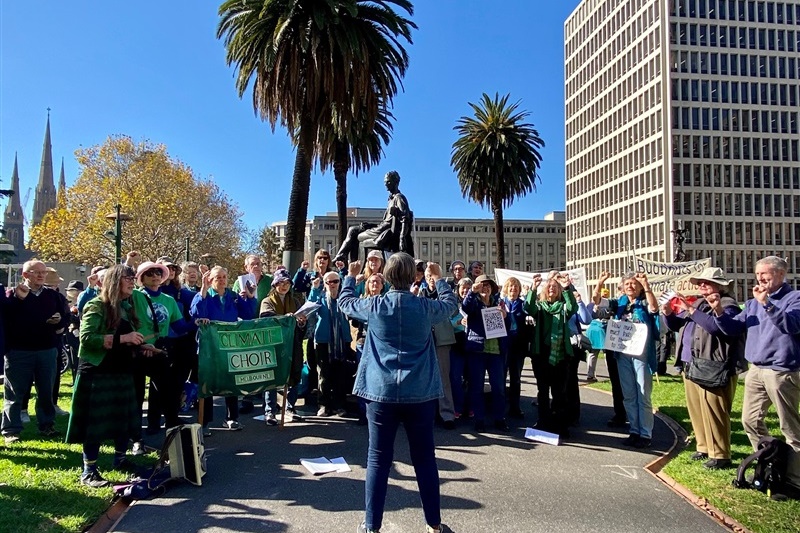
(166, 202)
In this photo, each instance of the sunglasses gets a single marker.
(154, 272)
(332, 282)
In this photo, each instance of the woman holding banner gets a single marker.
(399, 378)
(710, 360)
(637, 305)
(216, 302)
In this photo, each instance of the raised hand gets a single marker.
(641, 277)
(354, 268)
(761, 294)
(563, 280)
(435, 271)
(304, 265)
(537, 280)
(21, 291)
(604, 276)
(316, 282)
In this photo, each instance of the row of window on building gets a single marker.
(736, 176)
(734, 92)
(781, 40)
(736, 205)
(741, 10)
(586, 30)
(641, 209)
(750, 65)
(737, 148)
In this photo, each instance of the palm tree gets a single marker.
(496, 158)
(313, 64)
(359, 149)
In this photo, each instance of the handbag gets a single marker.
(708, 373)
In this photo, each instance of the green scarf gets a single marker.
(552, 327)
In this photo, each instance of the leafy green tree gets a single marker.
(496, 158)
(164, 199)
(315, 64)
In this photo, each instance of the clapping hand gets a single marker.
(563, 280)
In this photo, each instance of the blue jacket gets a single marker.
(476, 334)
(773, 337)
(399, 362)
(322, 333)
(210, 307)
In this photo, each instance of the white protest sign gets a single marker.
(626, 337)
(577, 275)
(493, 323)
(671, 276)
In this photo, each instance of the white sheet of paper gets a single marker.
(319, 465)
(493, 323)
(625, 337)
(307, 308)
(244, 279)
(541, 436)
(341, 464)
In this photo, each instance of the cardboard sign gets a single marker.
(625, 337)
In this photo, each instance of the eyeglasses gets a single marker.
(154, 272)
(38, 272)
(456, 269)
(129, 278)
(332, 282)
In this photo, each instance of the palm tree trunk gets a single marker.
(499, 235)
(341, 165)
(298, 200)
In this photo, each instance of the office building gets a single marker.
(683, 114)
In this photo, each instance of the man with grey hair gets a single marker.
(772, 322)
(32, 316)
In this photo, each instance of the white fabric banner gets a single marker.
(577, 275)
(671, 276)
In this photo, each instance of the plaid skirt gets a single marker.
(104, 408)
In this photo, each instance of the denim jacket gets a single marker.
(399, 362)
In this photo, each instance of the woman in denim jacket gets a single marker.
(486, 355)
(399, 378)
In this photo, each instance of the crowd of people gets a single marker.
(137, 323)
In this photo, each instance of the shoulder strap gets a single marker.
(156, 329)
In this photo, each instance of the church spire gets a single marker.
(45, 198)
(13, 221)
(62, 182)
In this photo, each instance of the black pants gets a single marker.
(332, 379)
(517, 352)
(163, 395)
(616, 388)
(551, 380)
(313, 374)
(573, 388)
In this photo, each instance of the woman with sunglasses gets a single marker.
(332, 340)
(104, 403)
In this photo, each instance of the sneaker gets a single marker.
(341, 412)
(591, 379)
(233, 425)
(270, 419)
(698, 456)
(49, 431)
(137, 448)
(23, 415)
(11, 438)
(294, 417)
(362, 528)
(94, 480)
(323, 411)
(631, 440)
(441, 529)
(61, 412)
(642, 443)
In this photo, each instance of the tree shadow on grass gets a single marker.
(34, 509)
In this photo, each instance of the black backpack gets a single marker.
(769, 473)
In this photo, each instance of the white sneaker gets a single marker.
(23, 415)
(61, 412)
(137, 448)
(233, 425)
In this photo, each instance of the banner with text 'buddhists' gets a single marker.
(675, 276)
(245, 357)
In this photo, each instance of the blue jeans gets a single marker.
(458, 362)
(384, 419)
(22, 368)
(495, 364)
(636, 382)
(271, 400)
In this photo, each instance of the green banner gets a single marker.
(244, 357)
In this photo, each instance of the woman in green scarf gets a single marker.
(551, 349)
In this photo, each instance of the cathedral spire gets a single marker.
(45, 198)
(13, 221)
(62, 181)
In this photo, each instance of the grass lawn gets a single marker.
(751, 508)
(39, 479)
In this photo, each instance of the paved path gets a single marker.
(490, 482)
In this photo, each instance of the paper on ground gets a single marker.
(321, 465)
(541, 436)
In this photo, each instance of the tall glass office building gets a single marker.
(683, 114)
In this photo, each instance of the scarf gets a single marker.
(335, 351)
(553, 329)
(282, 306)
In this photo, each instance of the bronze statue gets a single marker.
(393, 234)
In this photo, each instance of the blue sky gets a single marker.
(153, 69)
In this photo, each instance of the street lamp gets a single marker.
(119, 218)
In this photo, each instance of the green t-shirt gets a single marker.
(262, 290)
(167, 312)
